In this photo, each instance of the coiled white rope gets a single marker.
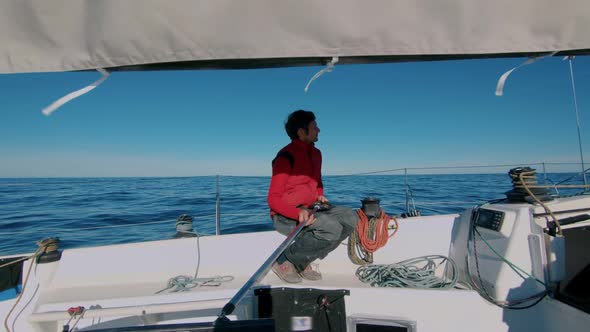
(186, 283)
(183, 283)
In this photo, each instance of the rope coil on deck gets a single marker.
(417, 272)
(370, 235)
(186, 283)
(183, 283)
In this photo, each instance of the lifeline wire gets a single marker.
(526, 187)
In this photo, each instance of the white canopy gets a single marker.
(65, 35)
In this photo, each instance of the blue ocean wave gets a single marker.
(86, 212)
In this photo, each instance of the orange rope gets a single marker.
(381, 232)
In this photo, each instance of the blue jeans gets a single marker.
(319, 239)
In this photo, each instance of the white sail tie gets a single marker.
(504, 77)
(72, 95)
(329, 67)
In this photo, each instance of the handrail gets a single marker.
(262, 270)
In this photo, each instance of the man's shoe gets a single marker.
(286, 272)
(310, 274)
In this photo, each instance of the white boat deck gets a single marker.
(124, 279)
(120, 287)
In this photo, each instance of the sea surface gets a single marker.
(84, 212)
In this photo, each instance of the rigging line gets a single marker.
(570, 58)
(43, 247)
(482, 290)
(453, 167)
(435, 203)
(515, 267)
(17, 261)
(536, 215)
(198, 255)
(245, 214)
(557, 224)
(419, 272)
(183, 283)
(21, 293)
(571, 177)
(556, 186)
(376, 172)
(444, 167)
(562, 163)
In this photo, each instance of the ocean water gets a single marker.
(86, 212)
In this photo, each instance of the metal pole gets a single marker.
(544, 174)
(577, 120)
(262, 270)
(407, 191)
(217, 211)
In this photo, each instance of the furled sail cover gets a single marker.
(64, 35)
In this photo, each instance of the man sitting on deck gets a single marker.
(296, 184)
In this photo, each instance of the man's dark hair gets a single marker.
(296, 120)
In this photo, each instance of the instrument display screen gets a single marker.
(489, 219)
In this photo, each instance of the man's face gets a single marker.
(312, 133)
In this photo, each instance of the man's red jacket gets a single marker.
(296, 179)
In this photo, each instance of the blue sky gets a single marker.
(372, 117)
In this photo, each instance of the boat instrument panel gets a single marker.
(489, 219)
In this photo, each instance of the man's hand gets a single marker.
(323, 199)
(305, 215)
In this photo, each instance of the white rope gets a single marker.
(183, 283)
(72, 95)
(329, 68)
(504, 77)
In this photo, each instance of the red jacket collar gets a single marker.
(300, 144)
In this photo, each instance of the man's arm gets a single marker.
(281, 170)
(320, 188)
